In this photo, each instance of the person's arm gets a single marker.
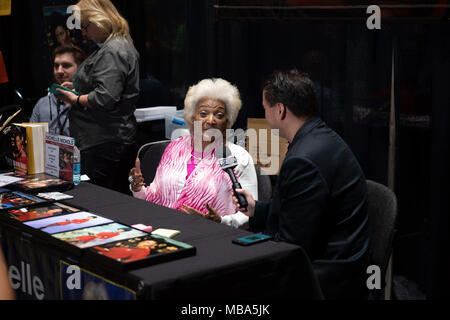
(246, 175)
(109, 76)
(137, 184)
(257, 222)
(71, 98)
(82, 101)
(6, 292)
(303, 194)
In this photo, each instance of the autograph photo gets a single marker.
(95, 236)
(15, 199)
(68, 222)
(136, 248)
(28, 214)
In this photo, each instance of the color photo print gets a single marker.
(29, 214)
(68, 222)
(95, 236)
(16, 199)
(137, 252)
(58, 34)
(39, 181)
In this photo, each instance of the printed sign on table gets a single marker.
(80, 284)
(59, 156)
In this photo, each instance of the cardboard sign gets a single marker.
(267, 149)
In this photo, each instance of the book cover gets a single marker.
(17, 156)
(28, 147)
(59, 156)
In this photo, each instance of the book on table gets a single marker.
(58, 167)
(27, 153)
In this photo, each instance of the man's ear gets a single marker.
(282, 111)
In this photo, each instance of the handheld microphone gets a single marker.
(227, 164)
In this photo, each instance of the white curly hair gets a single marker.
(214, 88)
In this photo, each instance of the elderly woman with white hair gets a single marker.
(189, 177)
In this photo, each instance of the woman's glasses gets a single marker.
(86, 26)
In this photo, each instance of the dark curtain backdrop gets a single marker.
(438, 276)
(354, 103)
(351, 67)
(23, 44)
(183, 41)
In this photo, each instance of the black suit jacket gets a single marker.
(320, 203)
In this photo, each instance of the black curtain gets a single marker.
(27, 60)
(351, 67)
(437, 234)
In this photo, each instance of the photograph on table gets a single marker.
(68, 222)
(29, 214)
(147, 250)
(41, 181)
(95, 236)
(16, 199)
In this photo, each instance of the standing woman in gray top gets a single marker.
(102, 118)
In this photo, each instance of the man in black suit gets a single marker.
(320, 199)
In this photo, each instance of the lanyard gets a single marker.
(59, 114)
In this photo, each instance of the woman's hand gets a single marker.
(68, 85)
(211, 215)
(67, 96)
(135, 177)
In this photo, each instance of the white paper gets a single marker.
(5, 180)
(54, 195)
(167, 233)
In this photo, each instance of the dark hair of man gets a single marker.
(77, 53)
(292, 88)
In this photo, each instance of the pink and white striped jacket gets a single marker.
(208, 183)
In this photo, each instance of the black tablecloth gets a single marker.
(219, 271)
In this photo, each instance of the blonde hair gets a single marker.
(214, 88)
(105, 16)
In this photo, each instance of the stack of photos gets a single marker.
(41, 181)
(95, 236)
(105, 241)
(68, 222)
(16, 199)
(146, 250)
(29, 214)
